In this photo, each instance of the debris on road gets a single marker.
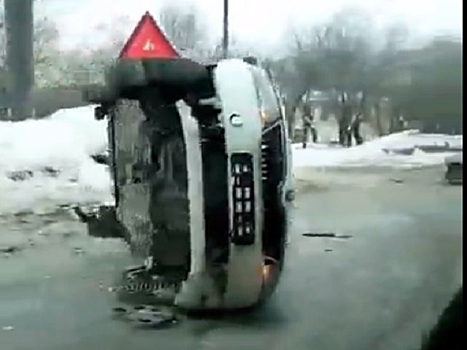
(49, 171)
(42, 233)
(325, 235)
(78, 251)
(147, 316)
(23, 175)
(10, 249)
(67, 235)
(20, 175)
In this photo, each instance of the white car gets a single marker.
(201, 166)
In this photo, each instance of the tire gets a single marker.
(127, 76)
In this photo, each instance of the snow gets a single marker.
(372, 154)
(66, 140)
(63, 142)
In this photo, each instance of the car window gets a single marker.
(267, 96)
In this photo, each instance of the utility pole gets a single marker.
(19, 26)
(225, 37)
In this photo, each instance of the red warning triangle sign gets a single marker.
(148, 41)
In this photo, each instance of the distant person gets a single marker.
(354, 131)
(401, 124)
(308, 125)
(345, 136)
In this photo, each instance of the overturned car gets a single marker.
(200, 162)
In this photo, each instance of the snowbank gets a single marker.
(60, 144)
(64, 140)
(373, 154)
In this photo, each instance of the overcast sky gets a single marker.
(255, 22)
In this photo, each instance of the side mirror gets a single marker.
(100, 113)
(290, 195)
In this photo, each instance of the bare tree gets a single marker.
(46, 37)
(428, 85)
(235, 49)
(183, 27)
(340, 56)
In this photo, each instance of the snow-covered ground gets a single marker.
(65, 141)
(375, 153)
(62, 142)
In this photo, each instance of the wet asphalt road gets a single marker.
(380, 289)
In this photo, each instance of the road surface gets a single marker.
(380, 289)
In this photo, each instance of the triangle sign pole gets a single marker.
(147, 41)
